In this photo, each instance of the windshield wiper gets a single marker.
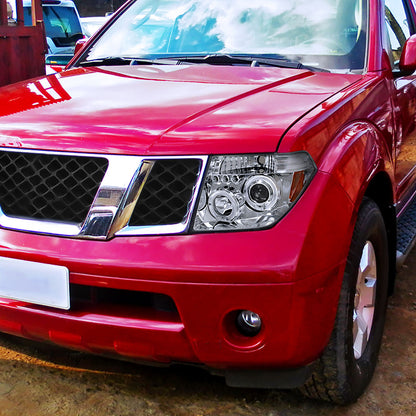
(110, 60)
(253, 60)
(213, 59)
(120, 60)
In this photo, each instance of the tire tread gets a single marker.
(330, 378)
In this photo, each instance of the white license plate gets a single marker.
(39, 283)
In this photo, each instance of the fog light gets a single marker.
(248, 323)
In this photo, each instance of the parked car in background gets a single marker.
(62, 24)
(223, 184)
(57, 62)
(91, 24)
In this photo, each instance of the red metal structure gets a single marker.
(22, 48)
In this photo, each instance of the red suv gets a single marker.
(220, 184)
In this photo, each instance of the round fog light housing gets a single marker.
(248, 323)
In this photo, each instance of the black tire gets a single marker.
(340, 376)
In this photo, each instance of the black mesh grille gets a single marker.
(167, 193)
(49, 187)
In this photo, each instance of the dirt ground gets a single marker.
(37, 379)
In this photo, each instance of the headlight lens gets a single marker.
(243, 192)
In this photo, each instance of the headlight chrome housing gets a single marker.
(247, 192)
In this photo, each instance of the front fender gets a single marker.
(354, 158)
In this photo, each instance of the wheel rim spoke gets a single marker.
(365, 293)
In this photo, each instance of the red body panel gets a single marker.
(178, 109)
(290, 274)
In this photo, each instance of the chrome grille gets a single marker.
(49, 186)
(97, 197)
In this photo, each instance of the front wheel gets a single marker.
(348, 362)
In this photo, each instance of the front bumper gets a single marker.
(202, 332)
(290, 275)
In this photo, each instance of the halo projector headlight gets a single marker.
(261, 192)
(244, 192)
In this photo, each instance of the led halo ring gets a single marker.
(227, 211)
(271, 187)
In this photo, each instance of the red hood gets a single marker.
(194, 109)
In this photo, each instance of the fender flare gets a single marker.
(361, 162)
(358, 153)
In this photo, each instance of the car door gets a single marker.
(399, 27)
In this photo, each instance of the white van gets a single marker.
(62, 24)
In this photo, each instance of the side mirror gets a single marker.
(408, 56)
(79, 45)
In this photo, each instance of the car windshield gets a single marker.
(61, 24)
(329, 34)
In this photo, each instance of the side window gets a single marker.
(398, 28)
